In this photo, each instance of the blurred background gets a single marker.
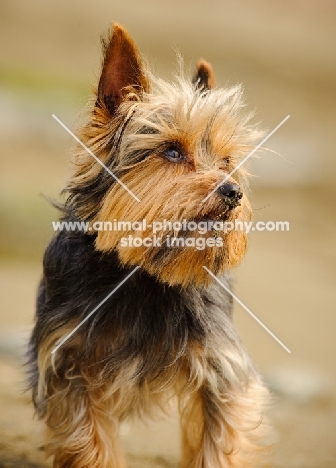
(284, 54)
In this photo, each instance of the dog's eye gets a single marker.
(173, 153)
(224, 163)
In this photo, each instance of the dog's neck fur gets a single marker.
(174, 317)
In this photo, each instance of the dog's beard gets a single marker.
(174, 254)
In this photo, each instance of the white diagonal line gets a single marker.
(95, 157)
(247, 310)
(94, 310)
(246, 158)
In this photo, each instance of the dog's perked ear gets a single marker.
(204, 78)
(122, 70)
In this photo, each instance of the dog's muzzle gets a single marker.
(231, 194)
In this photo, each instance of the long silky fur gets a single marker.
(148, 342)
(168, 330)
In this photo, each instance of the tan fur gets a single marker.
(215, 136)
(204, 77)
(222, 400)
(221, 418)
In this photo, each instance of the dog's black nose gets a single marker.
(230, 191)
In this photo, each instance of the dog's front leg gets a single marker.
(80, 431)
(223, 427)
(81, 426)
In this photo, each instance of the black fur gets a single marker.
(143, 319)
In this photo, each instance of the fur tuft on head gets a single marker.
(133, 132)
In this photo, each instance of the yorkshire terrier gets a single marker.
(121, 328)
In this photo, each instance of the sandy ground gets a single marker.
(283, 52)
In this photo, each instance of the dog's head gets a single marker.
(171, 149)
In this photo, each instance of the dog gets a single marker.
(124, 327)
